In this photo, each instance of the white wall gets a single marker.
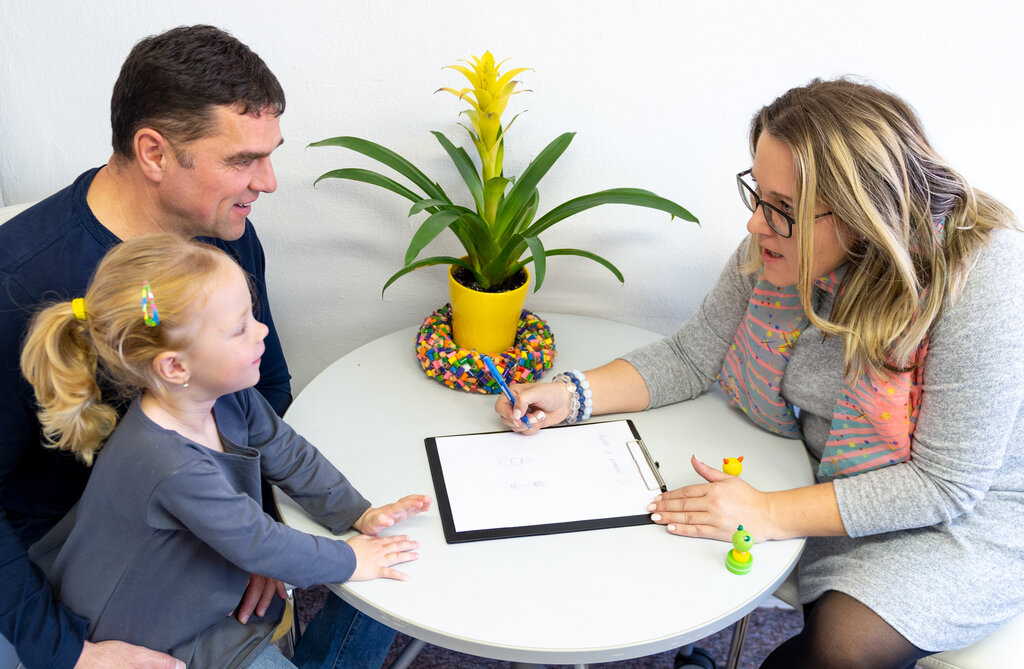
(659, 92)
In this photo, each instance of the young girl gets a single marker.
(161, 545)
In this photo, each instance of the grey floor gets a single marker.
(768, 628)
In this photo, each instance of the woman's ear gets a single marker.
(172, 368)
(853, 242)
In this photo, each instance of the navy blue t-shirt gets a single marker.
(49, 253)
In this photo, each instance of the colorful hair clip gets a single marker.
(149, 314)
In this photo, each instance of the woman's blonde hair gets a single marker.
(912, 224)
(63, 355)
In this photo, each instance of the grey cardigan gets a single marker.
(933, 545)
(160, 547)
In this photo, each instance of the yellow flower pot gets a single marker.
(485, 321)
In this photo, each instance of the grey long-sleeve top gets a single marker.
(921, 529)
(167, 532)
(971, 403)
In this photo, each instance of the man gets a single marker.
(195, 117)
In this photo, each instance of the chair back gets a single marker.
(10, 211)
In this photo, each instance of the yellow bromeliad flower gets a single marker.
(488, 97)
(501, 232)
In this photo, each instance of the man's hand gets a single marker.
(258, 595)
(121, 655)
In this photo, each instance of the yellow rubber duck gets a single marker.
(732, 466)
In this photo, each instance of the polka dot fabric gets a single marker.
(874, 418)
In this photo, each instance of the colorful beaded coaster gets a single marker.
(461, 368)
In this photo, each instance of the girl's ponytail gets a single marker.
(59, 361)
(110, 329)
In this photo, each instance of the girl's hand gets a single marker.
(376, 555)
(714, 509)
(376, 519)
(543, 403)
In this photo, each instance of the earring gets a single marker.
(184, 385)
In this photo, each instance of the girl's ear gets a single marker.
(171, 367)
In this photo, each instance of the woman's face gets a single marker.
(774, 172)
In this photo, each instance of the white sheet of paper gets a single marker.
(583, 472)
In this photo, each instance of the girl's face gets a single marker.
(775, 173)
(226, 351)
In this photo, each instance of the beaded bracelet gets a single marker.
(574, 402)
(581, 402)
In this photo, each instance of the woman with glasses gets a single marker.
(875, 312)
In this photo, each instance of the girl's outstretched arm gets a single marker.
(376, 555)
(376, 519)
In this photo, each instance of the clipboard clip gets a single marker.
(651, 466)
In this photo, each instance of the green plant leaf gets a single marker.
(523, 188)
(631, 196)
(430, 229)
(426, 262)
(448, 216)
(494, 190)
(472, 226)
(388, 157)
(370, 177)
(498, 266)
(427, 204)
(505, 127)
(466, 168)
(472, 135)
(592, 256)
(539, 261)
(522, 220)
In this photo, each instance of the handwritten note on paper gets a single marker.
(577, 473)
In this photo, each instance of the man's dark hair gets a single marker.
(174, 81)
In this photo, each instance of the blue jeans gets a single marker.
(270, 658)
(340, 637)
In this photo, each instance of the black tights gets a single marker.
(840, 632)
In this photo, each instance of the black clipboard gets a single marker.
(632, 454)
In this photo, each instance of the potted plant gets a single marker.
(500, 232)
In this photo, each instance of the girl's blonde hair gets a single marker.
(912, 224)
(63, 355)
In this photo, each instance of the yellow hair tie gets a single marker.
(78, 307)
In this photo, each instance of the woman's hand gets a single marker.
(376, 519)
(376, 555)
(714, 509)
(543, 403)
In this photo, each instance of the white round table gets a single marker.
(583, 597)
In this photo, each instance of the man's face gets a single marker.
(224, 172)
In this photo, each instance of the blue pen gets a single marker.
(496, 375)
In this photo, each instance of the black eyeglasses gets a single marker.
(750, 198)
